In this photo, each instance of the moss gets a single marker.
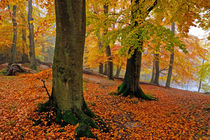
(58, 116)
(83, 130)
(44, 107)
(87, 111)
(126, 91)
(69, 117)
(121, 88)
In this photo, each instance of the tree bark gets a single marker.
(31, 36)
(157, 71)
(118, 71)
(168, 82)
(14, 22)
(153, 72)
(108, 50)
(67, 93)
(200, 82)
(100, 47)
(105, 68)
(24, 43)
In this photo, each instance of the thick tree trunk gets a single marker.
(14, 22)
(31, 36)
(118, 71)
(108, 50)
(130, 85)
(168, 82)
(67, 94)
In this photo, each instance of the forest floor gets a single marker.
(177, 114)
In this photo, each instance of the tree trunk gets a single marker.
(118, 71)
(157, 72)
(153, 72)
(168, 82)
(31, 35)
(100, 47)
(105, 68)
(200, 82)
(67, 94)
(108, 50)
(24, 44)
(14, 22)
(130, 85)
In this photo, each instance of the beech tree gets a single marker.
(14, 42)
(67, 91)
(130, 85)
(109, 67)
(168, 82)
(31, 35)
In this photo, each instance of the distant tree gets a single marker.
(168, 82)
(109, 64)
(31, 35)
(14, 42)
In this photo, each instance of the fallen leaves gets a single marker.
(178, 114)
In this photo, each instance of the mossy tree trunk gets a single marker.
(130, 85)
(31, 36)
(67, 94)
(14, 22)
(168, 81)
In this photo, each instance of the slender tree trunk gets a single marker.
(67, 93)
(153, 72)
(31, 35)
(100, 47)
(157, 72)
(108, 50)
(200, 82)
(199, 87)
(14, 22)
(105, 68)
(118, 71)
(168, 82)
(24, 43)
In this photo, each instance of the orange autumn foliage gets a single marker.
(178, 114)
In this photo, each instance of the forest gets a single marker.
(104, 69)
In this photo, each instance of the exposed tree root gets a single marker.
(84, 117)
(125, 91)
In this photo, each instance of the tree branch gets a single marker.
(44, 86)
(151, 8)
